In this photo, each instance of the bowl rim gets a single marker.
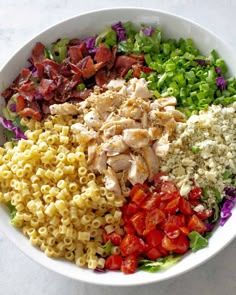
(153, 279)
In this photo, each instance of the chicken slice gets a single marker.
(111, 181)
(120, 125)
(107, 101)
(170, 126)
(178, 116)
(160, 118)
(84, 135)
(99, 163)
(120, 162)
(92, 148)
(138, 88)
(166, 101)
(136, 138)
(92, 120)
(115, 146)
(138, 171)
(155, 132)
(161, 146)
(151, 160)
(64, 109)
(116, 84)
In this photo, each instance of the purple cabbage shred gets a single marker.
(218, 70)
(201, 62)
(221, 83)
(120, 31)
(12, 107)
(148, 31)
(90, 44)
(230, 200)
(99, 270)
(15, 129)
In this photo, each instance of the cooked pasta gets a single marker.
(60, 205)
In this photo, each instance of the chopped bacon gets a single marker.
(110, 63)
(137, 57)
(40, 70)
(38, 53)
(122, 64)
(102, 78)
(46, 87)
(137, 68)
(103, 54)
(84, 49)
(24, 76)
(75, 54)
(51, 68)
(87, 67)
(74, 42)
(82, 94)
(7, 93)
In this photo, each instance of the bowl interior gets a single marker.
(87, 25)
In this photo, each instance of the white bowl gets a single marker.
(84, 26)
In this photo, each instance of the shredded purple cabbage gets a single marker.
(99, 270)
(15, 129)
(120, 31)
(218, 70)
(201, 62)
(221, 83)
(90, 44)
(148, 31)
(12, 107)
(230, 200)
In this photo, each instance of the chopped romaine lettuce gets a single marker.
(159, 264)
(197, 241)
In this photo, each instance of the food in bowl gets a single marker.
(114, 151)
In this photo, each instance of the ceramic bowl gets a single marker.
(87, 25)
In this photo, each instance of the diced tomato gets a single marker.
(154, 238)
(205, 214)
(168, 187)
(114, 237)
(153, 218)
(136, 187)
(113, 262)
(172, 230)
(195, 193)
(151, 202)
(131, 244)
(185, 206)
(129, 265)
(184, 230)
(139, 196)
(172, 206)
(181, 244)
(138, 222)
(168, 244)
(153, 254)
(131, 209)
(196, 224)
(158, 178)
(129, 229)
(178, 220)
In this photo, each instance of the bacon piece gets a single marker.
(47, 87)
(7, 93)
(87, 67)
(74, 42)
(40, 70)
(51, 68)
(83, 94)
(101, 78)
(24, 77)
(111, 62)
(122, 64)
(38, 53)
(75, 54)
(84, 49)
(103, 54)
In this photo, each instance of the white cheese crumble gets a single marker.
(212, 133)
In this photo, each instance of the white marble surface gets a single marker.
(21, 20)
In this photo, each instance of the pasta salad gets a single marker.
(114, 144)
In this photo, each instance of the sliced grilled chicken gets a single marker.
(92, 149)
(166, 101)
(161, 146)
(136, 138)
(115, 146)
(155, 132)
(138, 171)
(123, 123)
(159, 117)
(99, 164)
(120, 162)
(151, 160)
(170, 126)
(93, 120)
(83, 133)
(178, 116)
(111, 181)
(138, 88)
(64, 109)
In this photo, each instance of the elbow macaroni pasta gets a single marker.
(60, 205)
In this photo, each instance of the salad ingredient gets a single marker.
(197, 241)
(213, 131)
(159, 264)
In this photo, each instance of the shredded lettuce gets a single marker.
(12, 210)
(159, 264)
(197, 241)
